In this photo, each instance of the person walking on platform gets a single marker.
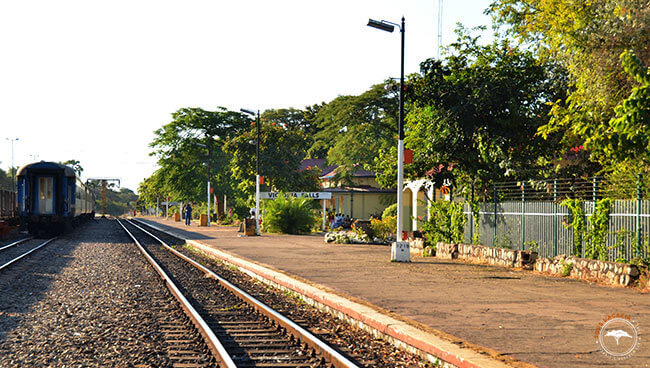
(188, 214)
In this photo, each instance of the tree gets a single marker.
(190, 152)
(354, 129)
(6, 180)
(626, 137)
(292, 119)
(586, 38)
(474, 118)
(76, 166)
(152, 189)
(120, 202)
(281, 151)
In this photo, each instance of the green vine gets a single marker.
(475, 208)
(446, 223)
(596, 247)
(577, 221)
(458, 220)
(622, 235)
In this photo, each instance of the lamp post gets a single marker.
(13, 170)
(399, 249)
(257, 170)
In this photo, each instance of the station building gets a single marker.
(360, 199)
(364, 198)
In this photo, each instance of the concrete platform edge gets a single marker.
(399, 333)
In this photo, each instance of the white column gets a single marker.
(208, 203)
(432, 193)
(400, 251)
(400, 187)
(324, 213)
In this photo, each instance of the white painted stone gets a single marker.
(400, 252)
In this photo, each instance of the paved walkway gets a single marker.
(547, 321)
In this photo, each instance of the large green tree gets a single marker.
(282, 148)
(586, 38)
(473, 118)
(190, 152)
(354, 129)
(152, 189)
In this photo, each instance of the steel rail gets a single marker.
(331, 355)
(27, 253)
(16, 242)
(211, 339)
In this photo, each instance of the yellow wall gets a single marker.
(363, 204)
(407, 206)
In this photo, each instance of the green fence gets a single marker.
(530, 215)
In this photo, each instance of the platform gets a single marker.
(516, 316)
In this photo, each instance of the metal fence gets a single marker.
(530, 216)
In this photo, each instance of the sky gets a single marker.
(92, 80)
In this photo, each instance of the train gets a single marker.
(51, 198)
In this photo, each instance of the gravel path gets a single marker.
(89, 299)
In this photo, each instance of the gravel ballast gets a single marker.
(89, 299)
(357, 344)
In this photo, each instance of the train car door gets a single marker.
(45, 195)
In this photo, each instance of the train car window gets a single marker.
(45, 194)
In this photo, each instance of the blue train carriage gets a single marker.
(51, 199)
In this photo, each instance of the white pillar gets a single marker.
(208, 203)
(324, 213)
(432, 194)
(400, 251)
(400, 187)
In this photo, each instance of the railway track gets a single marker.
(239, 330)
(17, 250)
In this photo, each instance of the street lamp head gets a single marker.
(381, 25)
(247, 111)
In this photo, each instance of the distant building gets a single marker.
(360, 199)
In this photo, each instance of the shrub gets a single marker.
(446, 223)
(390, 211)
(288, 215)
(384, 228)
(596, 247)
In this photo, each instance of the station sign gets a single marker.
(312, 195)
